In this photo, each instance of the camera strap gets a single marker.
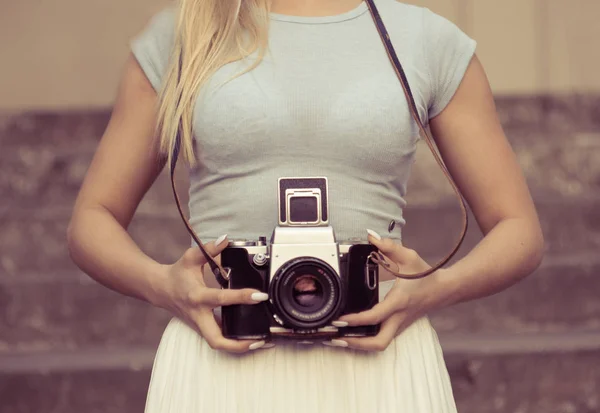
(378, 257)
(222, 275)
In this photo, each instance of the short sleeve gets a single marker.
(448, 52)
(152, 47)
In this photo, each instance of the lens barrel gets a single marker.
(306, 293)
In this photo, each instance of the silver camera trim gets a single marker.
(290, 192)
(303, 193)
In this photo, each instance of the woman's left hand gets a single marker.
(407, 300)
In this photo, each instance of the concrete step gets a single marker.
(121, 390)
(37, 244)
(557, 165)
(34, 241)
(517, 374)
(569, 228)
(43, 177)
(75, 312)
(64, 129)
(556, 298)
(549, 112)
(72, 314)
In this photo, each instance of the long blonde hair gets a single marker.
(208, 35)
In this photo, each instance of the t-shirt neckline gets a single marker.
(351, 14)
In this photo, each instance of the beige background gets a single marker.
(68, 53)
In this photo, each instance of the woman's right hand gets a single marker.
(187, 296)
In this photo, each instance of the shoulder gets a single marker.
(161, 26)
(164, 19)
(419, 26)
(407, 10)
(153, 46)
(418, 21)
(436, 50)
(396, 13)
(159, 31)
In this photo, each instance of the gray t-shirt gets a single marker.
(325, 101)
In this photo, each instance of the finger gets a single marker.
(194, 256)
(379, 342)
(380, 311)
(215, 247)
(215, 297)
(211, 332)
(393, 249)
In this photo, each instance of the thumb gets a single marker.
(194, 256)
(392, 249)
(214, 248)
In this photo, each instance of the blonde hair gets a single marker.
(208, 35)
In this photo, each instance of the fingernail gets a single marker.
(335, 343)
(258, 297)
(268, 345)
(374, 234)
(257, 345)
(220, 239)
(340, 323)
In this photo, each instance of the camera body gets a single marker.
(310, 278)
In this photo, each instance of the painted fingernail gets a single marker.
(340, 323)
(258, 297)
(220, 239)
(374, 234)
(268, 345)
(336, 343)
(257, 345)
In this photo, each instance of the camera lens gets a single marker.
(306, 293)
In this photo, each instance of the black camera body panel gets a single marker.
(358, 297)
(242, 321)
(261, 321)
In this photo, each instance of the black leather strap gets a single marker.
(379, 257)
(221, 274)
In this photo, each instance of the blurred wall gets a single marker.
(546, 46)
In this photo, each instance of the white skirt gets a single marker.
(410, 376)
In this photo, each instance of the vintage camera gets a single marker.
(311, 279)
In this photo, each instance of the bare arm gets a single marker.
(482, 163)
(124, 166)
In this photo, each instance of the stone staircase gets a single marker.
(69, 345)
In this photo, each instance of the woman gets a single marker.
(318, 97)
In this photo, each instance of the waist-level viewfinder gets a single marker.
(303, 202)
